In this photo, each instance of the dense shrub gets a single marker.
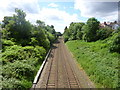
(104, 33)
(24, 47)
(115, 46)
(18, 70)
(15, 52)
(20, 64)
(6, 43)
(13, 83)
(66, 38)
(73, 32)
(50, 37)
(10, 83)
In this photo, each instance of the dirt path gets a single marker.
(61, 70)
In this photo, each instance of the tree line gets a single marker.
(24, 47)
(21, 31)
(91, 32)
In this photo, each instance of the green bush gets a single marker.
(104, 33)
(21, 64)
(66, 38)
(15, 52)
(13, 83)
(10, 83)
(24, 47)
(6, 43)
(34, 41)
(18, 70)
(115, 47)
(50, 37)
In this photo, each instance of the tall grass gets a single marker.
(97, 61)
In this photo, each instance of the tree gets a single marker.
(39, 37)
(79, 33)
(58, 34)
(104, 33)
(17, 27)
(66, 34)
(90, 29)
(40, 23)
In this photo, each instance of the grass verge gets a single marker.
(99, 64)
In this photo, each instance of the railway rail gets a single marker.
(61, 71)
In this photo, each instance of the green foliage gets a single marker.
(66, 38)
(90, 29)
(18, 70)
(58, 34)
(118, 30)
(66, 34)
(101, 65)
(88, 32)
(13, 83)
(24, 33)
(16, 25)
(40, 38)
(10, 83)
(15, 52)
(79, 31)
(104, 33)
(21, 63)
(73, 32)
(6, 43)
(115, 46)
(24, 49)
(50, 37)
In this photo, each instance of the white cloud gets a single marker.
(57, 17)
(100, 9)
(7, 7)
(53, 5)
(51, 16)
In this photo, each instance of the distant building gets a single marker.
(112, 25)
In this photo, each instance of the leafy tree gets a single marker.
(24, 49)
(17, 27)
(90, 29)
(58, 34)
(6, 21)
(74, 31)
(40, 23)
(104, 33)
(66, 34)
(78, 27)
(39, 38)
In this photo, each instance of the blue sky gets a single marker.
(65, 6)
(61, 13)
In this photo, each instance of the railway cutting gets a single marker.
(62, 71)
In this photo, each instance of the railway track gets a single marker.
(59, 71)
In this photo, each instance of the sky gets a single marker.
(61, 13)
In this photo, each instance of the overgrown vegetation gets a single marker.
(24, 47)
(97, 51)
(99, 64)
(91, 32)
